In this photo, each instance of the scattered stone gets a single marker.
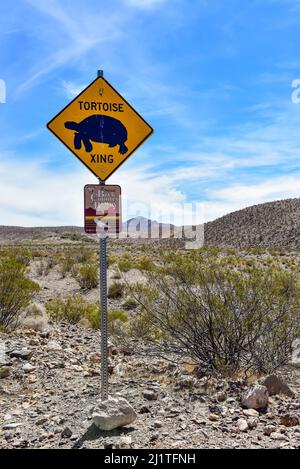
(24, 353)
(113, 413)
(123, 442)
(119, 370)
(95, 357)
(275, 386)
(54, 346)
(4, 372)
(157, 424)
(250, 413)
(4, 361)
(257, 397)
(41, 421)
(11, 426)
(66, 433)
(28, 368)
(269, 429)
(252, 423)
(150, 395)
(290, 420)
(242, 425)
(279, 437)
(145, 410)
(221, 397)
(213, 417)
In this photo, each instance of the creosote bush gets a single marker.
(223, 318)
(116, 290)
(86, 275)
(116, 321)
(72, 309)
(16, 291)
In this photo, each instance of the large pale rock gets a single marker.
(4, 361)
(242, 425)
(275, 386)
(23, 353)
(113, 413)
(257, 397)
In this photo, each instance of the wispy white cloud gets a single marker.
(71, 89)
(145, 3)
(74, 33)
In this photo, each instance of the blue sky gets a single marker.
(213, 78)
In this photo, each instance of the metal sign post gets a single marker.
(103, 298)
(103, 302)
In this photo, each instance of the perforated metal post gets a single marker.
(103, 301)
(103, 297)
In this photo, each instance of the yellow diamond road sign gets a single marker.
(101, 128)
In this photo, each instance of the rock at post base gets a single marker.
(257, 397)
(113, 413)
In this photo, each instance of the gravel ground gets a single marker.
(53, 382)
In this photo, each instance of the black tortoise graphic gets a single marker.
(99, 128)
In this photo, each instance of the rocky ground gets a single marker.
(50, 382)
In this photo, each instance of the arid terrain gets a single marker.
(50, 367)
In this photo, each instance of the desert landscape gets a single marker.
(202, 343)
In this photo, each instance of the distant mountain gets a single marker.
(273, 224)
(143, 225)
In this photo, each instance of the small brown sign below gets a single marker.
(102, 209)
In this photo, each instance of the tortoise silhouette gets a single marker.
(99, 128)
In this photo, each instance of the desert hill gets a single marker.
(272, 225)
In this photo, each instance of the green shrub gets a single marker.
(72, 309)
(116, 290)
(116, 275)
(86, 275)
(16, 292)
(144, 263)
(44, 266)
(224, 319)
(129, 303)
(125, 264)
(116, 320)
(23, 256)
(84, 255)
(66, 264)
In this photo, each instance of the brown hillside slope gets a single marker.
(273, 224)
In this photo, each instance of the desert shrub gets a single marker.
(44, 266)
(72, 309)
(86, 275)
(116, 320)
(223, 319)
(111, 260)
(125, 264)
(116, 275)
(144, 263)
(116, 290)
(16, 291)
(129, 303)
(34, 318)
(84, 255)
(23, 256)
(66, 264)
